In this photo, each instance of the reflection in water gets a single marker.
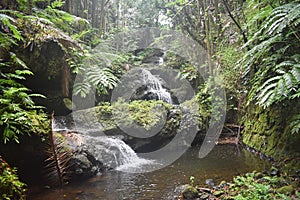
(224, 162)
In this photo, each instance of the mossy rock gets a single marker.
(267, 130)
(190, 193)
(286, 190)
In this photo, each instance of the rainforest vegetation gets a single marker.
(252, 45)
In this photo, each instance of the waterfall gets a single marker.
(160, 61)
(59, 123)
(111, 151)
(154, 86)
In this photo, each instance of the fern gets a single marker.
(8, 21)
(281, 86)
(58, 159)
(95, 78)
(18, 112)
(294, 126)
(62, 20)
(273, 59)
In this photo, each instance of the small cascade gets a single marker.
(59, 123)
(160, 61)
(154, 86)
(115, 153)
(111, 151)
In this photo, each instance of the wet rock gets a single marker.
(210, 182)
(274, 171)
(84, 165)
(179, 189)
(190, 193)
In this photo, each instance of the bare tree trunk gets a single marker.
(66, 76)
(207, 37)
(94, 7)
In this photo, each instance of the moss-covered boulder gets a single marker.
(190, 193)
(143, 125)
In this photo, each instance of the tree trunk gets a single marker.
(207, 37)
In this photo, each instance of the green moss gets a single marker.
(266, 130)
(146, 114)
(286, 189)
(190, 192)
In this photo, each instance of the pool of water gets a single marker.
(223, 162)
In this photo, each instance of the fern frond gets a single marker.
(283, 17)
(95, 78)
(8, 21)
(295, 124)
(282, 86)
(58, 159)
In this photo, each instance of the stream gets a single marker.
(223, 163)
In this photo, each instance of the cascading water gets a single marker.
(111, 151)
(154, 86)
(161, 61)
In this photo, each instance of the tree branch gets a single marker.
(236, 23)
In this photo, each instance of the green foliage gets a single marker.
(274, 58)
(146, 114)
(63, 20)
(256, 12)
(295, 124)
(192, 181)
(228, 57)
(188, 72)
(210, 100)
(283, 85)
(11, 188)
(18, 113)
(94, 70)
(99, 79)
(8, 21)
(265, 188)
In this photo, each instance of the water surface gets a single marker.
(224, 162)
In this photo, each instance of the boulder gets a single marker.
(190, 193)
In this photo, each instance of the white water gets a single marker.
(112, 151)
(115, 153)
(59, 123)
(160, 61)
(155, 86)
